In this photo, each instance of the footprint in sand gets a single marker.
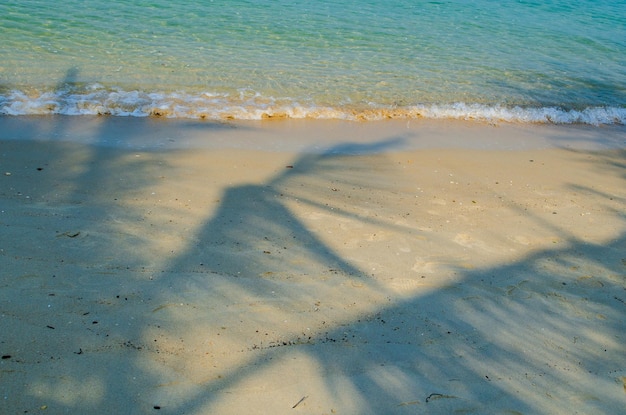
(424, 267)
(468, 241)
(518, 290)
(408, 285)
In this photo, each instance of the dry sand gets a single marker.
(174, 267)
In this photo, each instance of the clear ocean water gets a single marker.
(551, 61)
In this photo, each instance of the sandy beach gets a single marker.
(150, 266)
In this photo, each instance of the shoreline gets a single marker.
(293, 135)
(159, 266)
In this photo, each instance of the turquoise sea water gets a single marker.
(524, 60)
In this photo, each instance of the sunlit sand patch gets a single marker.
(521, 239)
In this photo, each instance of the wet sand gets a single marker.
(152, 266)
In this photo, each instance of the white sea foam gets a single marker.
(96, 100)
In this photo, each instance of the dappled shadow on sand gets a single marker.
(278, 301)
(279, 316)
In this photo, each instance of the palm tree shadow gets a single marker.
(257, 258)
(485, 344)
(254, 219)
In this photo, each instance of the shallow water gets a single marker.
(529, 61)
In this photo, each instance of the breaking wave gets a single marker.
(252, 106)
